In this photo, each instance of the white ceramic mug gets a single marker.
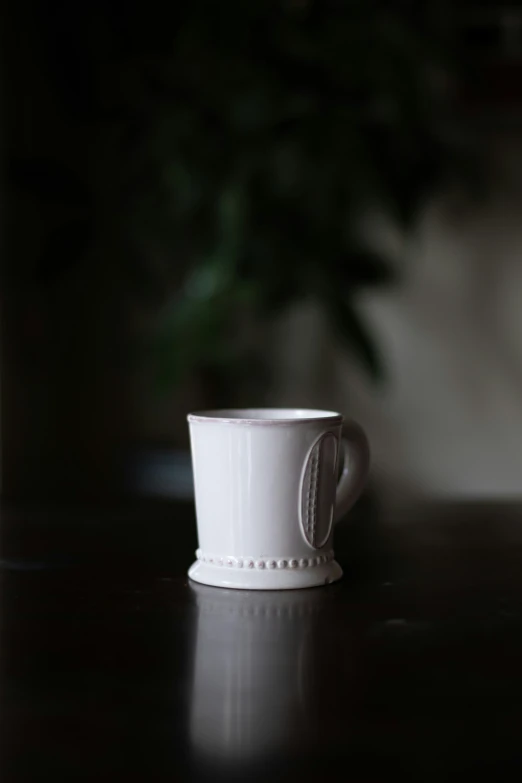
(267, 494)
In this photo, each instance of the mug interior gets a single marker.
(263, 415)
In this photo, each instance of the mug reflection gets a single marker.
(254, 663)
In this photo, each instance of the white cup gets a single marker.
(267, 494)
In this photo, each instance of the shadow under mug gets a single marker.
(267, 494)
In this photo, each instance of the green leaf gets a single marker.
(362, 268)
(231, 213)
(354, 334)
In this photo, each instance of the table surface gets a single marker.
(113, 666)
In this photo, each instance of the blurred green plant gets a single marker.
(241, 143)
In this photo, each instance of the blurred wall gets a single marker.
(448, 420)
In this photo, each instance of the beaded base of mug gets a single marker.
(262, 563)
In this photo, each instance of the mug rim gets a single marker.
(262, 417)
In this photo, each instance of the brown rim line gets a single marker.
(262, 417)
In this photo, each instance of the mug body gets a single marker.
(265, 483)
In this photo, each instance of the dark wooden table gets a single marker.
(113, 667)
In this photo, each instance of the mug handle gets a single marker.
(356, 464)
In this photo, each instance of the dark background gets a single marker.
(291, 203)
(180, 180)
